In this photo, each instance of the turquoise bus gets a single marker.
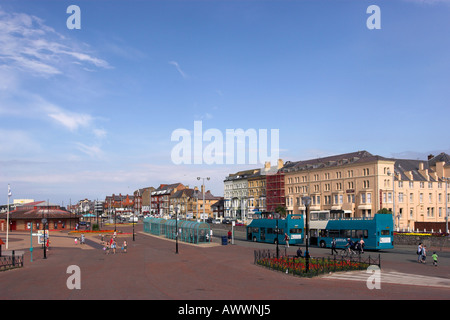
(264, 225)
(377, 231)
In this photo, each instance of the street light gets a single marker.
(277, 232)
(307, 201)
(203, 191)
(176, 230)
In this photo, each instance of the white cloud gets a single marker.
(177, 66)
(30, 46)
(93, 151)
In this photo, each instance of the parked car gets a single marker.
(226, 221)
(133, 219)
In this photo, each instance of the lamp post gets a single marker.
(203, 191)
(7, 218)
(277, 232)
(176, 230)
(44, 222)
(307, 201)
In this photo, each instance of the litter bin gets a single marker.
(224, 240)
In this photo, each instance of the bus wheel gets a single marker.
(276, 241)
(322, 244)
(254, 239)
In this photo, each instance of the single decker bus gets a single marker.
(264, 226)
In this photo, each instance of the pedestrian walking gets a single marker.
(76, 241)
(419, 252)
(82, 239)
(229, 236)
(333, 246)
(107, 248)
(113, 246)
(424, 254)
(286, 240)
(299, 253)
(435, 258)
(124, 246)
(361, 245)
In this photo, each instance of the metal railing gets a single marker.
(11, 262)
(292, 264)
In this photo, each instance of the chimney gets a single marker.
(267, 166)
(430, 156)
(280, 164)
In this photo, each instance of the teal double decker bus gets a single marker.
(377, 231)
(269, 227)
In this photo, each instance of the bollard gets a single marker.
(13, 259)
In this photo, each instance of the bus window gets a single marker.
(295, 231)
(324, 216)
(362, 233)
(270, 230)
(345, 233)
(333, 233)
(385, 232)
(253, 230)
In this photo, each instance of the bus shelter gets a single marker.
(188, 231)
(156, 226)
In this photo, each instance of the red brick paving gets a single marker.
(152, 270)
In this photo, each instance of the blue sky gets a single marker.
(90, 112)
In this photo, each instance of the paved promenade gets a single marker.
(152, 270)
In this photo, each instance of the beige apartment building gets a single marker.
(360, 184)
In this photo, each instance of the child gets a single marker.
(435, 258)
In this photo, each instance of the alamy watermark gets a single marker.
(237, 147)
(74, 280)
(374, 280)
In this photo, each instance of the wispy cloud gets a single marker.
(177, 66)
(93, 151)
(27, 44)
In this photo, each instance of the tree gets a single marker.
(281, 210)
(384, 211)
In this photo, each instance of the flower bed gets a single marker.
(297, 266)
